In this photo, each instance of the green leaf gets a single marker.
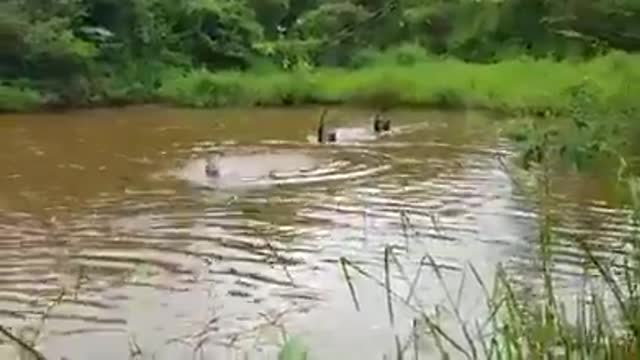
(293, 349)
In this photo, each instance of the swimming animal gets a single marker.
(323, 134)
(380, 124)
(211, 169)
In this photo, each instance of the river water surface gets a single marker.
(113, 242)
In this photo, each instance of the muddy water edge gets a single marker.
(113, 241)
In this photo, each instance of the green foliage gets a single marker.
(13, 25)
(270, 14)
(55, 50)
(134, 82)
(406, 54)
(18, 98)
(523, 85)
(537, 318)
(329, 19)
(289, 54)
(201, 88)
(332, 28)
(607, 321)
(40, 47)
(293, 349)
(591, 127)
(220, 32)
(86, 43)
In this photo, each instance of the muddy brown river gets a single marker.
(114, 243)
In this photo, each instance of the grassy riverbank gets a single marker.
(393, 79)
(524, 84)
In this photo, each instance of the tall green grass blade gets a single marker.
(348, 280)
(387, 284)
(293, 349)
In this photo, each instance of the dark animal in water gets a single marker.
(323, 135)
(381, 124)
(211, 169)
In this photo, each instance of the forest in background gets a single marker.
(545, 56)
(81, 52)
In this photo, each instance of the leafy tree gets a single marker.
(271, 15)
(219, 32)
(54, 43)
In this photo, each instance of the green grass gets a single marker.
(539, 318)
(14, 98)
(402, 77)
(604, 322)
(513, 86)
(536, 321)
(293, 349)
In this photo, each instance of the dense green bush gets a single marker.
(525, 84)
(88, 51)
(13, 98)
(406, 54)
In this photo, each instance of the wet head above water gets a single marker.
(247, 166)
(116, 208)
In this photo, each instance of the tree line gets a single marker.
(50, 42)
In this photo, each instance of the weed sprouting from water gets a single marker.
(28, 337)
(387, 283)
(599, 321)
(544, 330)
(135, 351)
(293, 349)
(347, 278)
(29, 348)
(440, 336)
